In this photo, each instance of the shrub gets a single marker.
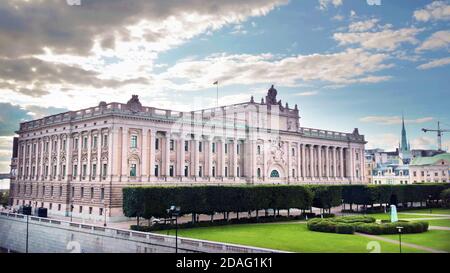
(345, 228)
(445, 196)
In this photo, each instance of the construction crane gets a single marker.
(439, 132)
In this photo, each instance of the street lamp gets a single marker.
(26, 247)
(175, 211)
(71, 212)
(429, 203)
(400, 237)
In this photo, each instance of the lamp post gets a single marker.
(429, 203)
(175, 211)
(71, 211)
(400, 237)
(26, 246)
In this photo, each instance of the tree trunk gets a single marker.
(137, 220)
(257, 215)
(288, 214)
(212, 218)
(237, 215)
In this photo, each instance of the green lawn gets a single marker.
(437, 239)
(386, 216)
(293, 237)
(440, 223)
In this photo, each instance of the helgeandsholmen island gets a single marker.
(255, 127)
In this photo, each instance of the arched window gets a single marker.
(274, 173)
(258, 172)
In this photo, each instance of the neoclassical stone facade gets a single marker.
(79, 161)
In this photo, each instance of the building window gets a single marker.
(200, 146)
(90, 210)
(82, 192)
(172, 144)
(94, 170)
(133, 170)
(102, 193)
(226, 148)
(85, 140)
(94, 142)
(213, 171)
(50, 206)
(200, 171)
(133, 141)
(63, 171)
(100, 211)
(92, 192)
(186, 171)
(73, 192)
(59, 207)
(84, 170)
(81, 209)
(105, 140)
(238, 172)
(156, 170)
(60, 191)
(171, 170)
(75, 170)
(214, 147)
(157, 144)
(186, 146)
(105, 168)
(238, 148)
(258, 172)
(274, 173)
(258, 149)
(226, 171)
(51, 191)
(293, 172)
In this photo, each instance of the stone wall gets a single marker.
(55, 236)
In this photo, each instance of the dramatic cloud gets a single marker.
(435, 63)
(5, 153)
(438, 10)
(307, 93)
(387, 39)
(390, 120)
(438, 40)
(350, 66)
(103, 43)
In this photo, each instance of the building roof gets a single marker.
(419, 161)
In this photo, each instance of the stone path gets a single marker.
(374, 237)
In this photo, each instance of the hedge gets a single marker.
(364, 224)
(445, 196)
(152, 201)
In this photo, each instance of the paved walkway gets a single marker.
(374, 237)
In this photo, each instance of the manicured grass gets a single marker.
(293, 237)
(387, 216)
(437, 239)
(439, 223)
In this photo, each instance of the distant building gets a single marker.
(433, 169)
(390, 174)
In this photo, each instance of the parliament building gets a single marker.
(76, 163)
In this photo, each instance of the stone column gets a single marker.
(222, 156)
(303, 161)
(208, 156)
(41, 163)
(196, 155)
(79, 164)
(69, 164)
(58, 157)
(98, 149)
(124, 155)
(235, 156)
(181, 156)
(341, 162)
(299, 158)
(111, 168)
(145, 151)
(334, 162)
(166, 157)
(319, 159)
(327, 162)
(89, 146)
(289, 155)
(152, 152)
(311, 161)
(264, 153)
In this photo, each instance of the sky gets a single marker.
(346, 63)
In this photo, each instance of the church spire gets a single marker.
(404, 144)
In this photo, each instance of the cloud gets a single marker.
(385, 40)
(423, 142)
(390, 120)
(323, 4)
(102, 44)
(437, 10)
(362, 26)
(435, 63)
(348, 67)
(437, 40)
(307, 93)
